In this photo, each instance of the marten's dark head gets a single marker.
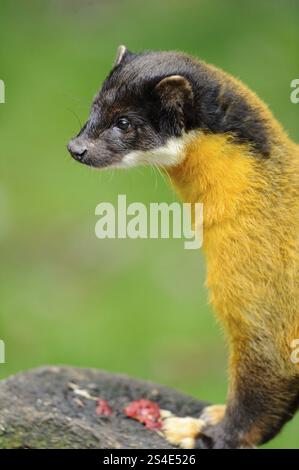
(142, 104)
(149, 104)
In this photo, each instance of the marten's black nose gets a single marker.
(77, 149)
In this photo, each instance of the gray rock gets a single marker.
(39, 409)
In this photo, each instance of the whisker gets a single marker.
(76, 116)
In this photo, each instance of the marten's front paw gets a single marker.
(186, 432)
(182, 432)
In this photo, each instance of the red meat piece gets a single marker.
(103, 409)
(146, 412)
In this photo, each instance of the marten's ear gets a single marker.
(176, 96)
(122, 54)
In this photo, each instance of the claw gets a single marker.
(211, 415)
(187, 432)
(182, 432)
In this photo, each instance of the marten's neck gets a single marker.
(220, 174)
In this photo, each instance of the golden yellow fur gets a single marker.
(251, 233)
(251, 242)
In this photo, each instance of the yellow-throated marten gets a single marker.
(221, 146)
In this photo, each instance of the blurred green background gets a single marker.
(137, 307)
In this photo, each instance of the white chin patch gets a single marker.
(170, 154)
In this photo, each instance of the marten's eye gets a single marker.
(123, 124)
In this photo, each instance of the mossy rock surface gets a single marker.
(39, 409)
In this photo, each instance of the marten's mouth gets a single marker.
(88, 155)
(95, 162)
(91, 162)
